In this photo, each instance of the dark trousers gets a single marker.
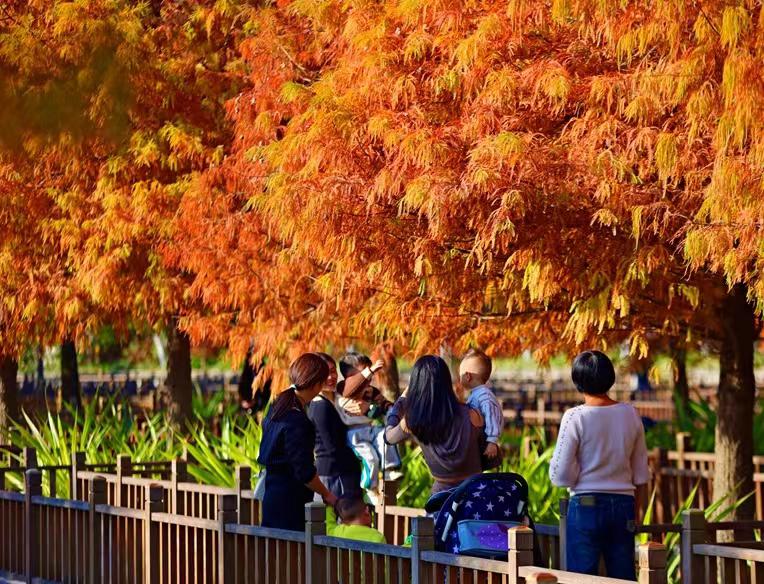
(601, 524)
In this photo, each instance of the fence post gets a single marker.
(541, 411)
(520, 540)
(187, 456)
(660, 487)
(97, 496)
(682, 446)
(78, 464)
(32, 488)
(423, 539)
(154, 504)
(30, 457)
(693, 532)
(179, 474)
(315, 555)
(564, 533)
(123, 470)
(244, 483)
(226, 542)
(652, 563)
(526, 446)
(388, 498)
(683, 485)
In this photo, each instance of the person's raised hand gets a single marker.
(378, 364)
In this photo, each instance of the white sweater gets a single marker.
(600, 449)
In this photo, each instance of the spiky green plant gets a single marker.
(215, 457)
(717, 511)
(101, 433)
(698, 419)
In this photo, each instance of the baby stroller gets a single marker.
(473, 518)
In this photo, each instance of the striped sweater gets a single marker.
(484, 400)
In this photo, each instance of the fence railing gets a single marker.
(705, 560)
(90, 541)
(57, 539)
(675, 474)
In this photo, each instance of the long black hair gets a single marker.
(306, 371)
(431, 403)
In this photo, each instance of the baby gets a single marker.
(358, 404)
(474, 373)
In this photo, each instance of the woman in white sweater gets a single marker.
(601, 458)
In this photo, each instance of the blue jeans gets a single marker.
(601, 524)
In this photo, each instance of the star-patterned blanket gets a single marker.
(475, 517)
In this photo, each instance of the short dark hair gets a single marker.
(352, 360)
(349, 507)
(593, 372)
(431, 403)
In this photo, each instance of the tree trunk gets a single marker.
(40, 376)
(9, 389)
(70, 376)
(733, 470)
(247, 378)
(679, 363)
(177, 390)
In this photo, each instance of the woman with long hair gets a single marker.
(338, 467)
(449, 433)
(286, 448)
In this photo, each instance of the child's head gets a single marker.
(331, 381)
(352, 363)
(353, 511)
(593, 373)
(475, 368)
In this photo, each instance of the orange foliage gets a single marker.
(511, 174)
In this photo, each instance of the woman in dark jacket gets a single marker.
(338, 467)
(286, 449)
(449, 433)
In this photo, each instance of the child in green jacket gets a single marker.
(355, 521)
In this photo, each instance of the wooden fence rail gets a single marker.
(56, 540)
(91, 541)
(675, 474)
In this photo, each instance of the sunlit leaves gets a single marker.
(513, 174)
